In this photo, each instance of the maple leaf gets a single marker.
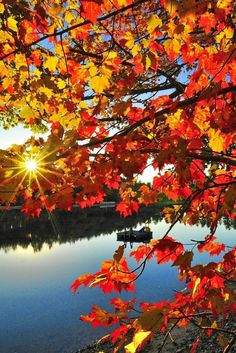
(184, 260)
(141, 252)
(12, 24)
(121, 305)
(167, 249)
(99, 83)
(172, 47)
(209, 245)
(152, 320)
(51, 63)
(119, 254)
(126, 208)
(91, 9)
(82, 280)
(98, 317)
(216, 140)
(32, 208)
(121, 331)
(138, 340)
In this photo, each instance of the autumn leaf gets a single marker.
(127, 208)
(51, 63)
(216, 140)
(99, 83)
(2, 8)
(184, 260)
(167, 249)
(151, 320)
(172, 47)
(138, 340)
(82, 280)
(119, 253)
(91, 9)
(12, 24)
(209, 245)
(98, 317)
(153, 22)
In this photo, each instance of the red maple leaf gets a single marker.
(91, 9)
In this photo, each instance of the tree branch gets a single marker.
(69, 29)
(160, 113)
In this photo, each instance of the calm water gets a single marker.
(38, 311)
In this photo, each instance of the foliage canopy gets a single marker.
(119, 85)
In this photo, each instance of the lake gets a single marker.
(40, 259)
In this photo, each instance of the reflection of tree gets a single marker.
(62, 227)
(227, 222)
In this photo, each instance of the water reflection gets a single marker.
(62, 227)
(38, 311)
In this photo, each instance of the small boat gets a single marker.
(144, 235)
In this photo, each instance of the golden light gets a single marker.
(31, 165)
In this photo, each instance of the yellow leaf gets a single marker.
(174, 120)
(83, 105)
(111, 55)
(123, 2)
(51, 63)
(61, 84)
(172, 47)
(47, 91)
(198, 280)
(138, 339)
(20, 60)
(99, 83)
(216, 140)
(136, 49)
(27, 113)
(2, 8)
(214, 324)
(92, 71)
(153, 22)
(12, 24)
(227, 33)
(222, 4)
(69, 16)
(55, 10)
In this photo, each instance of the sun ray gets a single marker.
(15, 175)
(49, 171)
(11, 168)
(44, 177)
(39, 186)
(17, 188)
(47, 155)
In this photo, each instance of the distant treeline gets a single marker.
(61, 226)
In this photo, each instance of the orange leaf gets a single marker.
(91, 9)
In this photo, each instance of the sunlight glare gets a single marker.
(31, 165)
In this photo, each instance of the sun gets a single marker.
(31, 165)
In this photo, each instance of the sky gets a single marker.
(17, 135)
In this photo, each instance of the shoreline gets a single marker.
(180, 341)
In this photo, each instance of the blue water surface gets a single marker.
(38, 311)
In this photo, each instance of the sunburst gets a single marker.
(29, 170)
(31, 165)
